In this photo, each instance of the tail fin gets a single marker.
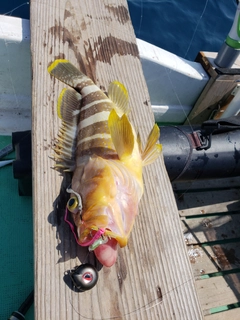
(64, 71)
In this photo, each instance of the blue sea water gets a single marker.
(15, 8)
(183, 27)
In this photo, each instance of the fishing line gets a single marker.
(146, 306)
(169, 72)
(195, 30)
(175, 92)
(9, 13)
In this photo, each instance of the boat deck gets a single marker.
(210, 217)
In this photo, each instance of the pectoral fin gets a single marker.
(152, 149)
(121, 134)
(68, 111)
(119, 96)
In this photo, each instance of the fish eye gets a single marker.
(72, 204)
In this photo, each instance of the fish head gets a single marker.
(110, 195)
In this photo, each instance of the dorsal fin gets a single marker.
(152, 149)
(119, 96)
(121, 134)
(68, 108)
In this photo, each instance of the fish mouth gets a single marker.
(104, 246)
(106, 253)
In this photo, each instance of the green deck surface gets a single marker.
(16, 238)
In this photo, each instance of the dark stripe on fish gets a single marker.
(94, 97)
(96, 108)
(97, 127)
(101, 152)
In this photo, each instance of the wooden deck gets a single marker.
(210, 215)
(152, 278)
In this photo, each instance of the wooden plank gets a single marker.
(201, 260)
(233, 314)
(206, 64)
(196, 203)
(211, 259)
(217, 89)
(219, 291)
(211, 228)
(146, 282)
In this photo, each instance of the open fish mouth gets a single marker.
(104, 247)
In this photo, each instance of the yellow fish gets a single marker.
(99, 145)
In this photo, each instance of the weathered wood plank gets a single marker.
(211, 228)
(233, 314)
(217, 89)
(97, 36)
(210, 259)
(219, 291)
(196, 203)
(201, 260)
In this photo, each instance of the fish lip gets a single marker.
(94, 242)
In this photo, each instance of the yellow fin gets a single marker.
(64, 71)
(152, 149)
(121, 134)
(119, 96)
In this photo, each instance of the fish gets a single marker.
(99, 146)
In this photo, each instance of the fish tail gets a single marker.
(66, 72)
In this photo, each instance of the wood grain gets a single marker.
(218, 88)
(209, 213)
(97, 36)
(229, 314)
(212, 228)
(219, 291)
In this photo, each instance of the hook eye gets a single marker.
(73, 204)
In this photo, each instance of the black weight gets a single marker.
(84, 277)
